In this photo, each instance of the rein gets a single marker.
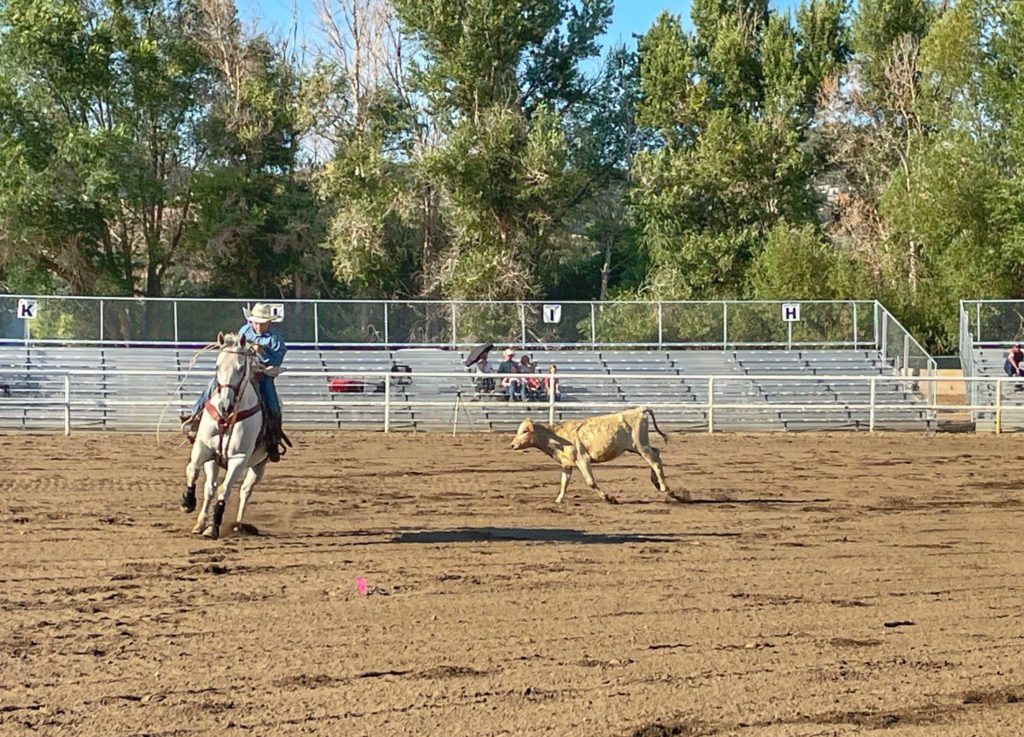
(226, 424)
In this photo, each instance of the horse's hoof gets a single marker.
(611, 499)
(244, 528)
(188, 499)
(211, 532)
(676, 497)
(199, 528)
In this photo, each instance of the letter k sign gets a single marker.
(27, 309)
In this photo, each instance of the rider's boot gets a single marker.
(190, 425)
(273, 439)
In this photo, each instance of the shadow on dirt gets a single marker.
(758, 500)
(546, 535)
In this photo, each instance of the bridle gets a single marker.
(227, 421)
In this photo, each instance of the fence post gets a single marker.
(789, 336)
(874, 324)
(906, 354)
(885, 338)
(661, 318)
(454, 328)
(854, 326)
(67, 405)
(593, 327)
(174, 311)
(316, 323)
(101, 321)
(387, 328)
(522, 324)
(999, 406)
(871, 403)
(711, 404)
(387, 402)
(977, 322)
(725, 326)
(551, 400)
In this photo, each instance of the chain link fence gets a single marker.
(460, 324)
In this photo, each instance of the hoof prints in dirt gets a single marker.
(665, 729)
(1012, 696)
(323, 680)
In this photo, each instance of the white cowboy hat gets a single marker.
(261, 312)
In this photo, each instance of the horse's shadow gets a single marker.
(545, 535)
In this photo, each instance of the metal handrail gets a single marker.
(710, 381)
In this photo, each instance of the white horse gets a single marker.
(227, 437)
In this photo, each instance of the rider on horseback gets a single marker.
(270, 350)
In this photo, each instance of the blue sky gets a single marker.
(629, 16)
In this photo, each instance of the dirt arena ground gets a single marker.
(821, 585)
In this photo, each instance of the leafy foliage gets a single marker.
(467, 149)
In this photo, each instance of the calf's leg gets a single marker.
(583, 464)
(653, 457)
(566, 475)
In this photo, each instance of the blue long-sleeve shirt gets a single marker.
(273, 347)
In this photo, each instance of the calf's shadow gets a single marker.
(545, 535)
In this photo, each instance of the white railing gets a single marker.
(68, 396)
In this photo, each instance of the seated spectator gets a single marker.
(551, 384)
(1014, 365)
(482, 381)
(533, 383)
(515, 387)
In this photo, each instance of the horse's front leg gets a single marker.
(252, 477)
(236, 466)
(210, 471)
(188, 497)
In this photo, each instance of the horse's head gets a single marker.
(234, 370)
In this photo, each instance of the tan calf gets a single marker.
(579, 443)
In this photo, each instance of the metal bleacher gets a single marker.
(108, 400)
(904, 405)
(988, 362)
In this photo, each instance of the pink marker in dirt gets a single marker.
(361, 586)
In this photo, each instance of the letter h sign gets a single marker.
(791, 312)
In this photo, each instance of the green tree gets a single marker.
(258, 230)
(99, 145)
(733, 104)
(501, 78)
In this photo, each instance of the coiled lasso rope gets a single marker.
(191, 365)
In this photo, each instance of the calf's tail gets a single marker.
(649, 411)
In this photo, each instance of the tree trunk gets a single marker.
(606, 267)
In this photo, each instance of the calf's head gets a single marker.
(524, 436)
